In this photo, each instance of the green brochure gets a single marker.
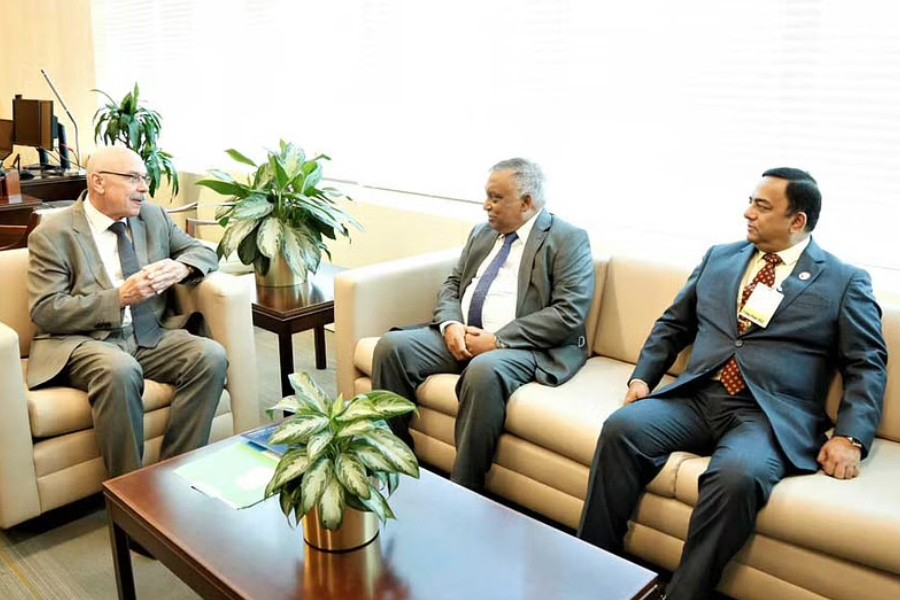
(237, 474)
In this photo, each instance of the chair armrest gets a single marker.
(19, 499)
(225, 302)
(370, 300)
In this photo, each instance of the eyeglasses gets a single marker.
(135, 178)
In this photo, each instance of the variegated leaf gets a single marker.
(234, 235)
(352, 474)
(318, 443)
(331, 505)
(253, 207)
(395, 451)
(376, 404)
(355, 428)
(378, 505)
(298, 429)
(371, 457)
(292, 465)
(268, 240)
(314, 482)
(291, 405)
(308, 391)
(293, 246)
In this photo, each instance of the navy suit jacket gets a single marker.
(828, 320)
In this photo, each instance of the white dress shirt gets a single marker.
(108, 246)
(789, 258)
(500, 303)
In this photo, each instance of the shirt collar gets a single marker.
(525, 230)
(97, 220)
(789, 256)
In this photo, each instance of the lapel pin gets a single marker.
(803, 276)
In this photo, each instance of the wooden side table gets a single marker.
(289, 310)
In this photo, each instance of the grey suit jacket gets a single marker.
(70, 296)
(556, 286)
(827, 320)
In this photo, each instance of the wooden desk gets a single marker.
(54, 187)
(289, 310)
(447, 542)
(16, 215)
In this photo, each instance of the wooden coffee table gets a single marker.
(448, 542)
(289, 310)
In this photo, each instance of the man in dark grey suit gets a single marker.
(98, 279)
(512, 311)
(769, 319)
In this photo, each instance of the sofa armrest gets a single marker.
(225, 302)
(370, 300)
(19, 499)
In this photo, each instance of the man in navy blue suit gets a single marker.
(770, 319)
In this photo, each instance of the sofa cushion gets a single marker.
(854, 519)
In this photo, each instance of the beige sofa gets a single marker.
(48, 450)
(817, 538)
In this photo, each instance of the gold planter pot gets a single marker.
(358, 529)
(279, 274)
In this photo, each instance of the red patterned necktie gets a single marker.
(731, 374)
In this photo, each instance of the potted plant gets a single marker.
(276, 221)
(138, 128)
(342, 462)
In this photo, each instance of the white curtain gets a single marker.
(653, 119)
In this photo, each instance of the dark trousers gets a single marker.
(404, 359)
(635, 444)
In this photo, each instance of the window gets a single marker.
(653, 119)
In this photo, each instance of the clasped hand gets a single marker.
(152, 280)
(467, 342)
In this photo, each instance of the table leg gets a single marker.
(286, 356)
(122, 562)
(319, 337)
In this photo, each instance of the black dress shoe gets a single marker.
(135, 547)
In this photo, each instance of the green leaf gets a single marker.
(222, 175)
(331, 505)
(270, 235)
(378, 505)
(291, 466)
(352, 474)
(226, 188)
(394, 450)
(376, 404)
(309, 392)
(294, 246)
(313, 177)
(237, 156)
(315, 481)
(354, 428)
(253, 207)
(370, 456)
(247, 247)
(298, 429)
(234, 235)
(292, 405)
(318, 443)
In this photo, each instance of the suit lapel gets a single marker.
(85, 238)
(806, 271)
(480, 247)
(532, 245)
(732, 274)
(139, 239)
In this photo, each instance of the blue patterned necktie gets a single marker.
(487, 278)
(146, 328)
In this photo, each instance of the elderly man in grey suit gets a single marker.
(512, 311)
(99, 275)
(770, 319)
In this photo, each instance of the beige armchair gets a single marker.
(48, 450)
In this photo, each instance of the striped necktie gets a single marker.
(147, 331)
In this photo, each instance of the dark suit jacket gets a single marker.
(556, 286)
(826, 321)
(70, 296)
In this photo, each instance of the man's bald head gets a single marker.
(117, 181)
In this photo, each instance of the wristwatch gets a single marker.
(498, 344)
(853, 441)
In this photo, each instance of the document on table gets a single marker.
(237, 474)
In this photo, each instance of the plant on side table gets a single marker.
(341, 464)
(276, 221)
(138, 128)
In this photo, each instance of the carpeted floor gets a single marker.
(65, 554)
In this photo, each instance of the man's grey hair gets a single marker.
(528, 176)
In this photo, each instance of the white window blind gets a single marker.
(653, 119)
